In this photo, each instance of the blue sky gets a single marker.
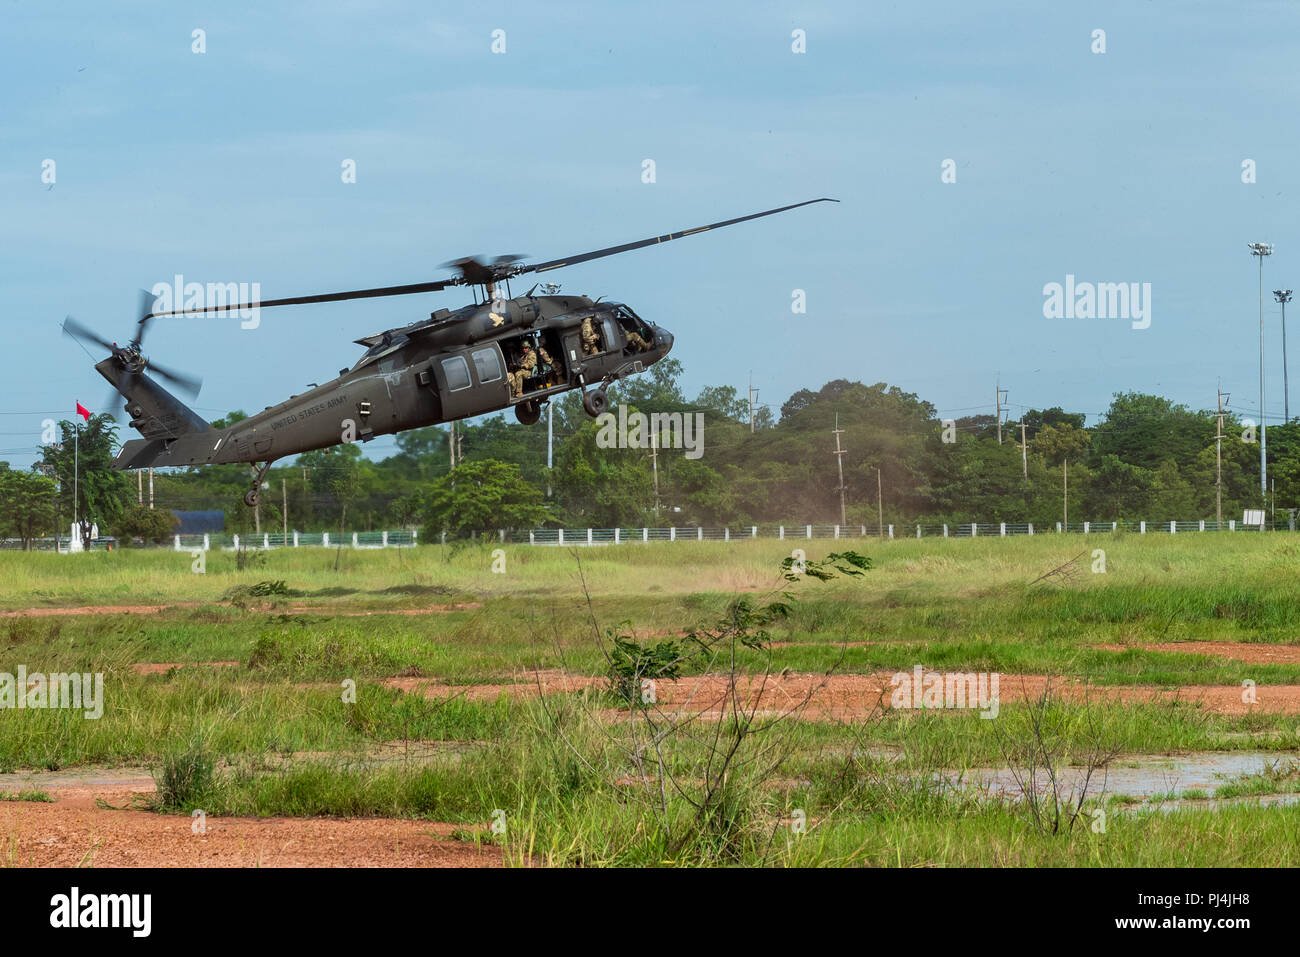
(225, 167)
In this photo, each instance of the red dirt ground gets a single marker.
(162, 667)
(73, 831)
(848, 697)
(291, 609)
(1250, 652)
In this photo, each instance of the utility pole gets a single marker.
(550, 432)
(1261, 250)
(753, 393)
(1218, 466)
(654, 465)
(284, 511)
(151, 486)
(1065, 488)
(139, 488)
(1024, 454)
(1284, 296)
(839, 461)
(998, 394)
(451, 442)
(880, 504)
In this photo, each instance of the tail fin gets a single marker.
(155, 412)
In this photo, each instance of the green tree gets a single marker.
(1145, 430)
(84, 461)
(154, 525)
(604, 487)
(26, 505)
(480, 496)
(1060, 442)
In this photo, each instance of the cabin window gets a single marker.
(487, 365)
(611, 333)
(456, 369)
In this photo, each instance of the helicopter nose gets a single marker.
(663, 339)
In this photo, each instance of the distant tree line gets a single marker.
(1146, 458)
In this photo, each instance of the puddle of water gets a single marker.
(1153, 774)
(1144, 777)
(1140, 777)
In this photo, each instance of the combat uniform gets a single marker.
(548, 362)
(635, 339)
(590, 342)
(527, 363)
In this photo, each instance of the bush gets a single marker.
(153, 525)
(184, 778)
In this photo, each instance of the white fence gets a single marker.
(631, 535)
(230, 542)
(405, 538)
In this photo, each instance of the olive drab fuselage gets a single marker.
(451, 366)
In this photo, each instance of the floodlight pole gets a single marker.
(1261, 250)
(1283, 296)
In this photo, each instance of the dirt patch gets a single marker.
(76, 831)
(823, 644)
(431, 610)
(293, 609)
(529, 685)
(1252, 653)
(162, 667)
(88, 610)
(59, 835)
(848, 697)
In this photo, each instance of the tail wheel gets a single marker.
(528, 413)
(251, 498)
(595, 402)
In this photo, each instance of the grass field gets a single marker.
(234, 687)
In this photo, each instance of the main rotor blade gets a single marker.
(75, 329)
(304, 300)
(475, 272)
(653, 240)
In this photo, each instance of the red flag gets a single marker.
(83, 412)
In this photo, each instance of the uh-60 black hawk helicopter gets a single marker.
(452, 365)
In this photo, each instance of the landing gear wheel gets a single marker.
(528, 413)
(595, 402)
(254, 494)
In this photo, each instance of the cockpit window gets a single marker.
(630, 321)
(389, 343)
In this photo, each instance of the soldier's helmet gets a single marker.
(527, 344)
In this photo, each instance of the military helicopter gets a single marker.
(452, 365)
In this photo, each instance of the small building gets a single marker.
(197, 523)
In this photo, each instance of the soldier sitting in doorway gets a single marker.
(590, 338)
(547, 369)
(524, 369)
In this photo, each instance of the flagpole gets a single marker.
(76, 459)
